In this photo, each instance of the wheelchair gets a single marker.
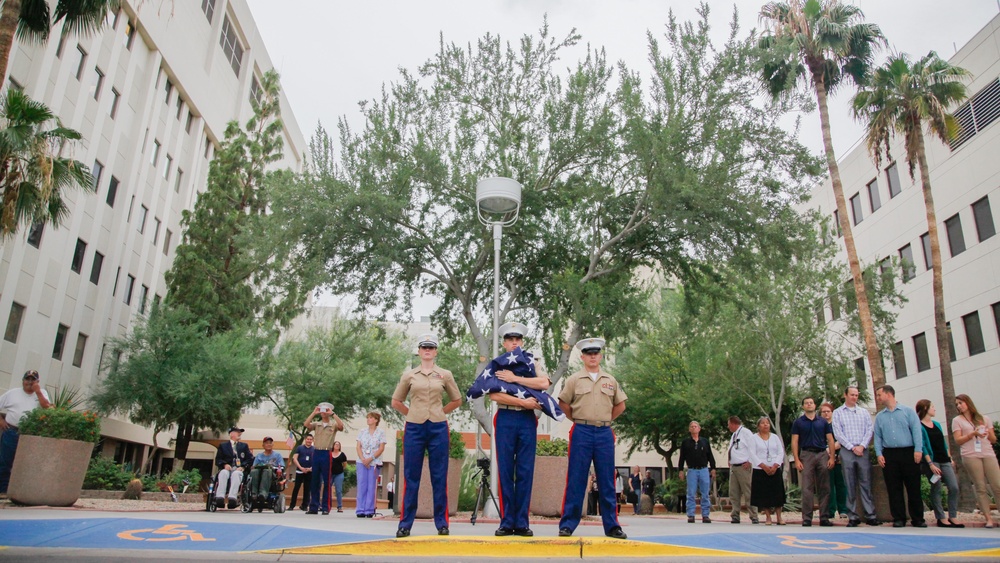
(210, 505)
(273, 500)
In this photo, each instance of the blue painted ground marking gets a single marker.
(131, 533)
(791, 543)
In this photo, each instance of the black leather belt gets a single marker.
(600, 423)
(815, 450)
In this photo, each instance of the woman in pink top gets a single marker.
(974, 433)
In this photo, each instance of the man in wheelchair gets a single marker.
(267, 476)
(233, 456)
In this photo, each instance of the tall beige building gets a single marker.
(888, 216)
(151, 94)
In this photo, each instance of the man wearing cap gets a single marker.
(426, 430)
(231, 459)
(592, 398)
(515, 428)
(263, 469)
(17, 403)
(324, 435)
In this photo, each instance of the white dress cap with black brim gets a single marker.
(590, 345)
(513, 329)
(428, 339)
(325, 407)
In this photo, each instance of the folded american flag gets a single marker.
(522, 364)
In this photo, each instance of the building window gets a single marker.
(187, 124)
(81, 249)
(97, 171)
(951, 341)
(143, 212)
(974, 333)
(61, 46)
(920, 347)
(856, 208)
(906, 262)
(983, 216)
(131, 204)
(129, 35)
(95, 268)
(996, 317)
(177, 180)
(98, 82)
(892, 177)
(180, 107)
(820, 314)
(166, 242)
(82, 63)
(166, 169)
(899, 360)
(255, 92)
(129, 286)
(143, 297)
(231, 45)
(836, 223)
(112, 192)
(155, 157)
(114, 287)
(873, 198)
(81, 346)
(14, 322)
(859, 369)
(168, 87)
(208, 148)
(850, 298)
(956, 241)
(115, 98)
(156, 230)
(925, 242)
(60, 343)
(208, 6)
(35, 234)
(834, 305)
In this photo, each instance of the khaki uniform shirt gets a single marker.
(592, 400)
(425, 390)
(324, 434)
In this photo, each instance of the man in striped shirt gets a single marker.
(853, 428)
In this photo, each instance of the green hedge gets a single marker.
(106, 475)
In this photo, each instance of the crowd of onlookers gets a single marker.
(833, 451)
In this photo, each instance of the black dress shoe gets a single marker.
(734, 521)
(311, 512)
(690, 519)
(706, 520)
(326, 513)
(565, 532)
(503, 532)
(873, 522)
(233, 504)
(443, 531)
(370, 515)
(807, 523)
(523, 532)
(220, 502)
(402, 532)
(853, 523)
(920, 524)
(617, 533)
(825, 523)
(899, 524)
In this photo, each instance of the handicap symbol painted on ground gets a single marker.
(793, 541)
(172, 532)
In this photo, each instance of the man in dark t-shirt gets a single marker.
(302, 460)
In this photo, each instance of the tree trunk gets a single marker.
(9, 16)
(181, 442)
(940, 322)
(864, 311)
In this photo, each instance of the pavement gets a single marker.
(83, 535)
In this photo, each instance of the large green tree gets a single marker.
(615, 179)
(32, 20)
(823, 44)
(220, 273)
(169, 371)
(32, 175)
(352, 364)
(904, 97)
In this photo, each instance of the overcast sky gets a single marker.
(333, 54)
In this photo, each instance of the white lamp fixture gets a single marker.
(498, 196)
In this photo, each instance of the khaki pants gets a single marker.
(739, 490)
(983, 469)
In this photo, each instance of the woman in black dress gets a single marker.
(767, 488)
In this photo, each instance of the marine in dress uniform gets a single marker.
(592, 398)
(324, 435)
(426, 429)
(515, 428)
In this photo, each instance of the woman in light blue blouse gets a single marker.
(371, 443)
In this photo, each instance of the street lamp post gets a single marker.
(498, 201)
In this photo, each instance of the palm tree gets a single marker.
(903, 97)
(32, 21)
(825, 43)
(31, 177)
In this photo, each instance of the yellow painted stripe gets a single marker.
(993, 552)
(476, 546)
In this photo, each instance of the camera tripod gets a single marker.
(484, 489)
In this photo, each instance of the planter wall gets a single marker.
(425, 497)
(549, 485)
(48, 471)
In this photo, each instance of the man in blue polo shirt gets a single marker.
(899, 447)
(813, 449)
